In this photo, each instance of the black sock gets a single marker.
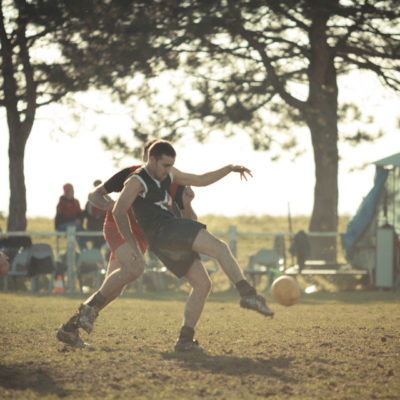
(98, 300)
(245, 289)
(187, 334)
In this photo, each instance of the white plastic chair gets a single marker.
(264, 262)
(91, 262)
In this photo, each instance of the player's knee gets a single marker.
(131, 273)
(203, 286)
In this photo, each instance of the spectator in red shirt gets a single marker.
(69, 213)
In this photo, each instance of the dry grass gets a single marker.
(329, 346)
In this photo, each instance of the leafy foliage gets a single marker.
(243, 58)
(246, 66)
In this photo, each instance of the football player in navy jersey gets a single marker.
(178, 242)
(120, 262)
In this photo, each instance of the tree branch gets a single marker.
(9, 84)
(28, 70)
(274, 79)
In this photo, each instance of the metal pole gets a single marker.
(232, 239)
(71, 231)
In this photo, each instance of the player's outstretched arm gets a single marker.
(183, 178)
(100, 199)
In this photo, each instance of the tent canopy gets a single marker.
(393, 160)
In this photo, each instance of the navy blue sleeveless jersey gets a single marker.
(170, 238)
(154, 205)
(115, 184)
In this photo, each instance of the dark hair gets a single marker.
(147, 146)
(160, 148)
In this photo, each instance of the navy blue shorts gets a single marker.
(173, 244)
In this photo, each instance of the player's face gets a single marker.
(163, 166)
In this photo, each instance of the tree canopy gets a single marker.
(33, 74)
(249, 65)
(245, 60)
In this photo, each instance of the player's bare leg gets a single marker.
(120, 272)
(206, 243)
(131, 269)
(200, 281)
(198, 278)
(113, 265)
(69, 332)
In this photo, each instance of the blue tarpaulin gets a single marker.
(363, 217)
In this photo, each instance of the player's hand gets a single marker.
(187, 195)
(242, 170)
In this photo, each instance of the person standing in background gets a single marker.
(69, 213)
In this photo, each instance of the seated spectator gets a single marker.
(11, 245)
(69, 213)
(95, 220)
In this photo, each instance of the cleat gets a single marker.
(182, 346)
(70, 337)
(87, 316)
(256, 303)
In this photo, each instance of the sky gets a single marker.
(53, 157)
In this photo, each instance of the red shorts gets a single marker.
(113, 237)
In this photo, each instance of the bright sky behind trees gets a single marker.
(54, 158)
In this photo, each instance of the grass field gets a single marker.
(332, 345)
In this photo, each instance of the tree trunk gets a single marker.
(321, 117)
(20, 107)
(17, 206)
(324, 215)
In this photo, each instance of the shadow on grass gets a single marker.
(29, 377)
(237, 366)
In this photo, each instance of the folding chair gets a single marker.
(264, 262)
(42, 262)
(91, 262)
(38, 259)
